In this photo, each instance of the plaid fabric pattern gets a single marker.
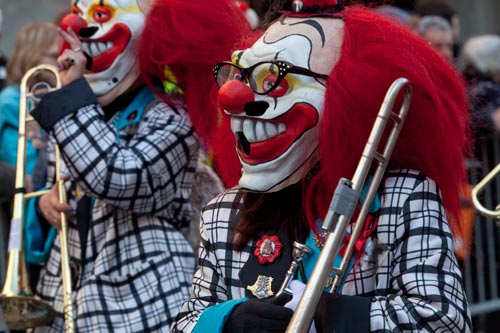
(408, 268)
(138, 266)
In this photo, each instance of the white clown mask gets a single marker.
(274, 94)
(110, 37)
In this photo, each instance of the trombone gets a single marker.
(343, 204)
(477, 189)
(20, 308)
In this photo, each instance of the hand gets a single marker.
(52, 208)
(258, 316)
(72, 61)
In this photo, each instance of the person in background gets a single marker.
(480, 63)
(35, 44)
(394, 13)
(437, 32)
(128, 122)
(446, 10)
(302, 101)
(481, 67)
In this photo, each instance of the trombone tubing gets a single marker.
(477, 189)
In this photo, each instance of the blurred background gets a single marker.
(476, 17)
(480, 254)
(18, 12)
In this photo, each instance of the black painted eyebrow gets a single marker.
(315, 25)
(238, 58)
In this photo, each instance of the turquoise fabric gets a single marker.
(133, 113)
(376, 204)
(9, 126)
(310, 260)
(213, 318)
(36, 249)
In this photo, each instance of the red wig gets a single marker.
(434, 138)
(190, 37)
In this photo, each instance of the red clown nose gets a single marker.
(233, 95)
(76, 23)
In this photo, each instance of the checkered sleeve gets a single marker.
(51, 161)
(425, 292)
(216, 278)
(144, 175)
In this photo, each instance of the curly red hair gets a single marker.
(190, 37)
(434, 138)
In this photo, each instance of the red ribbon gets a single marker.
(370, 225)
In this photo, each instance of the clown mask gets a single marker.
(274, 94)
(110, 33)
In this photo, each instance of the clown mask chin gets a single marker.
(270, 176)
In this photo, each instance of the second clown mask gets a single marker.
(110, 33)
(274, 94)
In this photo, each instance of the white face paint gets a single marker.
(278, 146)
(113, 46)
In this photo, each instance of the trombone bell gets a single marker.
(21, 312)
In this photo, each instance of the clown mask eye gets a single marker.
(237, 76)
(101, 14)
(279, 90)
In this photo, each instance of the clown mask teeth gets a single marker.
(256, 130)
(96, 48)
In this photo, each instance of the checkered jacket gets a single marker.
(408, 269)
(138, 266)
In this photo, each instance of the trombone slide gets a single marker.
(477, 189)
(335, 222)
(20, 308)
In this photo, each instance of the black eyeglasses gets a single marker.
(262, 77)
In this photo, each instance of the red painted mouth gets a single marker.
(301, 118)
(120, 36)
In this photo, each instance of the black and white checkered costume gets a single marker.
(408, 269)
(138, 266)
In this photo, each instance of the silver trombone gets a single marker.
(20, 308)
(343, 203)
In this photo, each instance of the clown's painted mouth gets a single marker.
(260, 141)
(106, 49)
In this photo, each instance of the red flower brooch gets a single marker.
(268, 248)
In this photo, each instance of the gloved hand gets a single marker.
(258, 316)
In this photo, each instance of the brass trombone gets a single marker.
(343, 203)
(20, 308)
(477, 189)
